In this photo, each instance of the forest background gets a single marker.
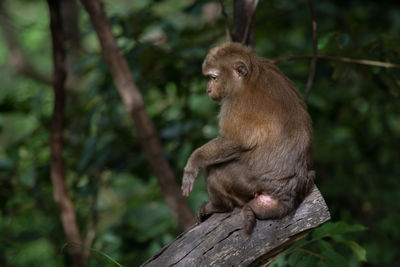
(121, 212)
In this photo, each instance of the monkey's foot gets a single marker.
(202, 214)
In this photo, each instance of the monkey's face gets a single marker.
(225, 81)
(215, 86)
(228, 68)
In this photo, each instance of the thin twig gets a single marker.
(227, 27)
(299, 248)
(91, 232)
(341, 59)
(316, 255)
(75, 245)
(311, 75)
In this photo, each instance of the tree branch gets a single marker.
(227, 28)
(340, 59)
(252, 5)
(243, 21)
(70, 19)
(68, 217)
(135, 107)
(220, 240)
(311, 74)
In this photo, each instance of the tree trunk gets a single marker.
(68, 217)
(135, 107)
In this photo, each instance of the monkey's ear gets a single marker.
(240, 68)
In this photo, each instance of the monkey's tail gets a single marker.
(249, 219)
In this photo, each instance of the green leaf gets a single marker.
(324, 246)
(15, 126)
(358, 251)
(321, 264)
(279, 262)
(324, 40)
(27, 176)
(37, 253)
(307, 261)
(341, 227)
(294, 258)
(87, 153)
(334, 258)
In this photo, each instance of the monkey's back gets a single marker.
(272, 120)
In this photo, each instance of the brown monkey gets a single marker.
(261, 159)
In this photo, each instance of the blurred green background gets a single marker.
(355, 111)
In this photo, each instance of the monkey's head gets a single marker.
(228, 67)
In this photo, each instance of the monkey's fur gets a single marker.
(262, 157)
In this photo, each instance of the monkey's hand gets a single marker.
(188, 181)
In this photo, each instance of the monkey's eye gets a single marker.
(213, 76)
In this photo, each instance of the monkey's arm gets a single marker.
(215, 151)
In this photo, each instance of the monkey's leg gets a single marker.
(208, 208)
(216, 178)
(216, 151)
(263, 206)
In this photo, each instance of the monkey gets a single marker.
(262, 158)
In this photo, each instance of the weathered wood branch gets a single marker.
(220, 240)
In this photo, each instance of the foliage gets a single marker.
(315, 250)
(355, 111)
